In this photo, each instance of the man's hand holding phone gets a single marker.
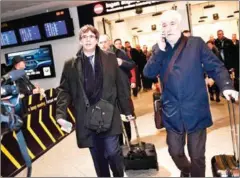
(162, 42)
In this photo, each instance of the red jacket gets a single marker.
(133, 78)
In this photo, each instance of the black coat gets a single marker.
(127, 65)
(69, 92)
(228, 50)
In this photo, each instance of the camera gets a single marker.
(10, 102)
(10, 110)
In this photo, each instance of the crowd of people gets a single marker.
(104, 72)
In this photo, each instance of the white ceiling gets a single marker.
(11, 10)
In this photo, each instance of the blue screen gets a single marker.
(39, 62)
(8, 38)
(29, 34)
(57, 28)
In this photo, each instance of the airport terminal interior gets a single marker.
(46, 34)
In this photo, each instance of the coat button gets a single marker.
(103, 113)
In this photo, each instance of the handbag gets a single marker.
(100, 115)
(158, 104)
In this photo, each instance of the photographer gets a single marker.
(24, 84)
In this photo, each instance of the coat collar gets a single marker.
(77, 62)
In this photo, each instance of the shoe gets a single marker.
(145, 90)
(211, 98)
(218, 100)
(183, 174)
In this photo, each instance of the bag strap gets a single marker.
(79, 69)
(174, 58)
(23, 148)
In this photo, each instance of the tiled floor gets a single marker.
(66, 160)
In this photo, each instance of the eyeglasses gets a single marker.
(84, 37)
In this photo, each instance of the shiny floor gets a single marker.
(66, 160)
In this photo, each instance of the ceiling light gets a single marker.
(230, 16)
(203, 17)
(119, 21)
(201, 21)
(139, 31)
(157, 13)
(209, 6)
(235, 12)
(134, 28)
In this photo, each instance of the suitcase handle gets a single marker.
(126, 137)
(137, 134)
(233, 125)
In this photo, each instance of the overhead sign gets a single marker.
(115, 6)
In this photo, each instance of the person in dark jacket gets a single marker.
(118, 45)
(125, 64)
(98, 73)
(226, 48)
(186, 110)
(24, 85)
(234, 39)
(142, 60)
(213, 88)
(133, 54)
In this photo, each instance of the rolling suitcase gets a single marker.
(139, 156)
(228, 165)
(157, 107)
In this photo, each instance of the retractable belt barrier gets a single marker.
(40, 131)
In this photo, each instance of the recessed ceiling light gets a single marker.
(230, 16)
(209, 6)
(203, 17)
(157, 13)
(134, 28)
(201, 21)
(139, 31)
(235, 12)
(119, 21)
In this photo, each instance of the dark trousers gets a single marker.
(214, 89)
(196, 143)
(107, 151)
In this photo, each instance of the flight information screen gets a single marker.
(57, 28)
(8, 38)
(30, 33)
(39, 62)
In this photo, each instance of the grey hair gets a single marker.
(105, 35)
(171, 13)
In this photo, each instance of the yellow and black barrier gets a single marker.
(40, 130)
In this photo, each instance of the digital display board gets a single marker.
(57, 28)
(8, 38)
(39, 62)
(30, 33)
